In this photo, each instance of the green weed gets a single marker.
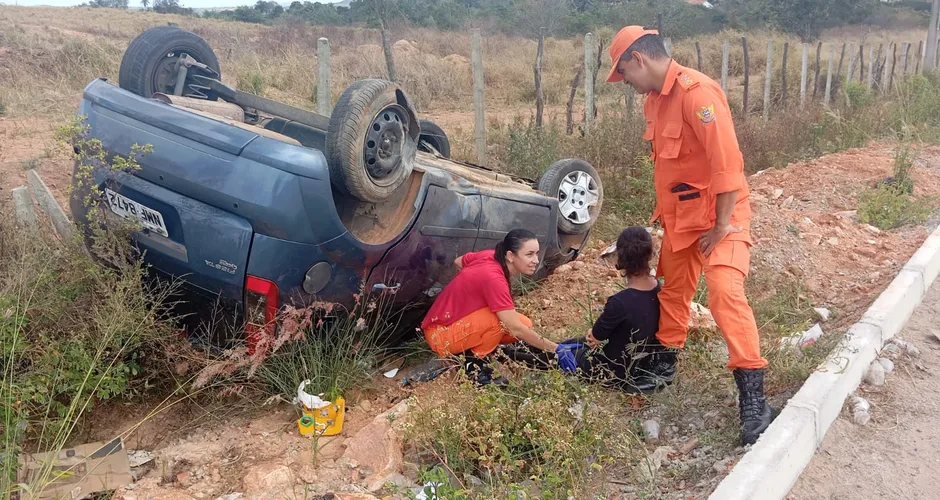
(548, 434)
(891, 204)
(889, 207)
(74, 332)
(334, 353)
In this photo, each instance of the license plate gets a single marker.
(130, 209)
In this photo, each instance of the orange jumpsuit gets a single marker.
(694, 143)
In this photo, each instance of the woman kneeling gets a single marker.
(475, 312)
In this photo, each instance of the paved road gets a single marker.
(897, 454)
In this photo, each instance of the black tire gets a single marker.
(579, 218)
(145, 66)
(358, 163)
(435, 137)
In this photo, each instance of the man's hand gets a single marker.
(591, 340)
(711, 238)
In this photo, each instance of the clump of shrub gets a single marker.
(892, 204)
(548, 435)
(75, 330)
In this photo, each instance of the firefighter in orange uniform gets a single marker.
(702, 203)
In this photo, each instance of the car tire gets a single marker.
(577, 187)
(148, 64)
(432, 135)
(371, 141)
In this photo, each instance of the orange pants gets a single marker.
(725, 271)
(480, 331)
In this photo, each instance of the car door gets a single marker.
(501, 215)
(422, 262)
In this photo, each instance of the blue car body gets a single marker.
(240, 205)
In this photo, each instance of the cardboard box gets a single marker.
(76, 472)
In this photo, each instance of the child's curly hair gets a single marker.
(634, 251)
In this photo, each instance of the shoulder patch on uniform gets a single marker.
(706, 113)
(687, 81)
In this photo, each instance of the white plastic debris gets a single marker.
(860, 408)
(421, 495)
(806, 338)
(822, 312)
(310, 401)
(391, 373)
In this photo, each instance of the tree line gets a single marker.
(676, 18)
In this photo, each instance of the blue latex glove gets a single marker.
(566, 357)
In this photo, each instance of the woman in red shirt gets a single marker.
(475, 312)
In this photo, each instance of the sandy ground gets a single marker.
(897, 454)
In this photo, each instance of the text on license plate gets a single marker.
(126, 207)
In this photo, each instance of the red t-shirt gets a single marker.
(480, 283)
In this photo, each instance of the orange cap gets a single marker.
(622, 41)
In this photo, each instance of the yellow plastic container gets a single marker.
(326, 421)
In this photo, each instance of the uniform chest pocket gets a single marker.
(672, 141)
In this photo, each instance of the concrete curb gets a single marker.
(773, 464)
(42, 194)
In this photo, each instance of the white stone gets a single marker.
(861, 417)
(875, 375)
(887, 364)
(859, 403)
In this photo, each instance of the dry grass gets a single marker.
(44, 65)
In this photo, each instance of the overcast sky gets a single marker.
(136, 3)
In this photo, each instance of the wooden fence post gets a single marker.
(904, 51)
(747, 74)
(841, 59)
(786, 50)
(539, 96)
(933, 47)
(861, 60)
(818, 69)
(832, 57)
(588, 80)
(768, 74)
(891, 60)
(871, 65)
(804, 66)
(698, 55)
(850, 70)
(920, 57)
(569, 106)
(476, 59)
(389, 57)
(324, 98)
(724, 66)
(879, 81)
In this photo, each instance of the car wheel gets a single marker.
(577, 186)
(372, 140)
(149, 64)
(433, 136)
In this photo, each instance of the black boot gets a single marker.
(655, 374)
(756, 413)
(481, 373)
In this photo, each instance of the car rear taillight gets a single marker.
(260, 311)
